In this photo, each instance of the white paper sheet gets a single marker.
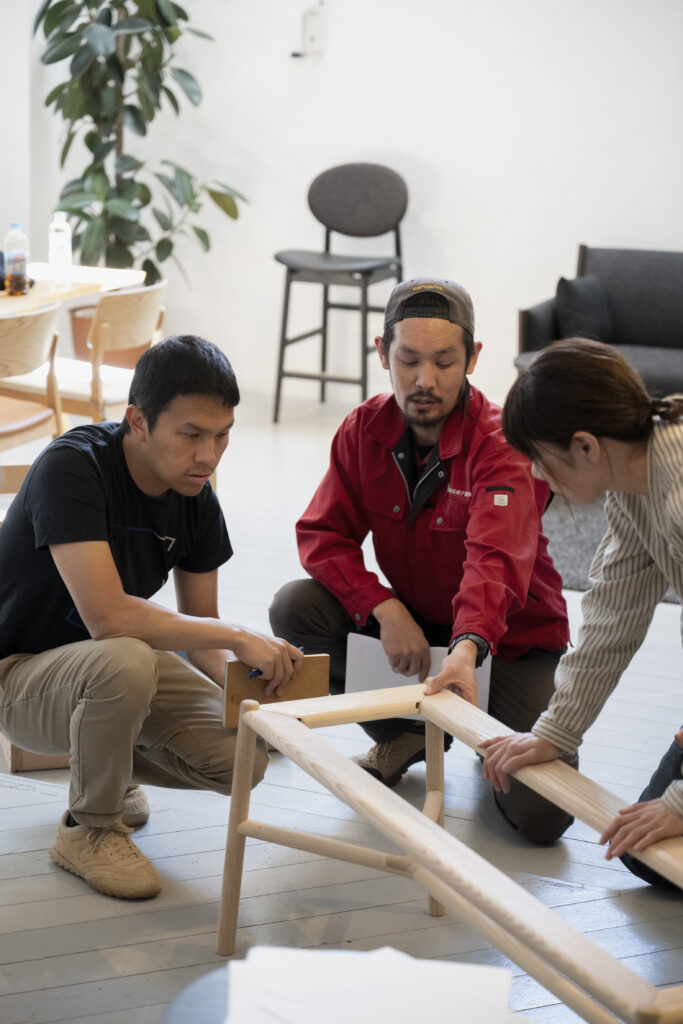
(367, 668)
(299, 986)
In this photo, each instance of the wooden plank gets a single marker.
(311, 681)
(345, 708)
(555, 780)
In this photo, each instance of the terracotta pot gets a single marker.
(81, 319)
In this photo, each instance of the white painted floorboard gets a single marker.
(68, 954)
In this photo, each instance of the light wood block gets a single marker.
(20, 760)
(311, 681)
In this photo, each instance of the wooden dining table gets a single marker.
(80, 281)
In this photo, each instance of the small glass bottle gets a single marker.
(59, 248)
(15, 250)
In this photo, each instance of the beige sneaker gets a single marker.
(107, 859)
(390, 760)
(135, 807)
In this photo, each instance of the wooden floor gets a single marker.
(69, 954)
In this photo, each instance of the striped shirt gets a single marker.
(638, 559)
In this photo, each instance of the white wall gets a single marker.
(521, 129)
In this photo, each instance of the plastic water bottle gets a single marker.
(16, 260)
(59, 248)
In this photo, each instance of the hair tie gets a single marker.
(656, 406)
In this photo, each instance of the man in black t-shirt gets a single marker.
(103, 516)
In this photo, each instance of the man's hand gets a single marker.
(505, 754)
(457, 673)
(404, 643)
(277, 659)
(638, 826)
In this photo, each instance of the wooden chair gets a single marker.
(123, 320)
(28, 342)
(599, 988)
(27, 345)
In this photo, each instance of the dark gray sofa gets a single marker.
(630, 298)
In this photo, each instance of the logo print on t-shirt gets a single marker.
(167, 541)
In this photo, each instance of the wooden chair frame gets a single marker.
(599, 988)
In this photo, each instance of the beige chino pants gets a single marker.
(125, 714)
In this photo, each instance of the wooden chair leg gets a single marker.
(434, 804)
(245, 754)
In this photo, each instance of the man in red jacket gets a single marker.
(455, 518)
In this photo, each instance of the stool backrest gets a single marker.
(361, 199)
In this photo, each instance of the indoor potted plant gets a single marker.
(121, 72)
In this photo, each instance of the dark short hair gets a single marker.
(422, 303)
(181, 365)
(578, 384)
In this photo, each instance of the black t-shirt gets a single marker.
(80, 489)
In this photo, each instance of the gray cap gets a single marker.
(400, 307)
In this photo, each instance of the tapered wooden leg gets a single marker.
(245, 754)
(435, 793)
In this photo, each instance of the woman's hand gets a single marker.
(638, 826)
(505, 754)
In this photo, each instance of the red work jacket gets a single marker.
(465, 549)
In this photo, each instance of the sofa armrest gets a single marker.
(537, 326)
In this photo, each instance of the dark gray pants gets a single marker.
(669, 770)
(307, 615)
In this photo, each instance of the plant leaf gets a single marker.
(181, 12)
(103, 150)
(92, 243)
(172, 186)
(225, 201)
(61, 47)
(100, 39)
(81, 61)
(222, 187)
(125, 163)
(77, 201)
(122, 208)
(163, 249)
(133, 118)
(171, 98)
(53, 15)
(118, 255)
(97, 181)
(40, 15)
(163, 219)
(197, 32)
(151, 270)
(189, 84)
(203, 237)
(165, 9)
(66, 147)
(54, 93)
(131, 26)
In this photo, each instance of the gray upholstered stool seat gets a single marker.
(303, 259)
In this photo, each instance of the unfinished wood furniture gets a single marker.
(599, 988)
(28, 341)
(312, 680)
(122, 321)
(27, 344)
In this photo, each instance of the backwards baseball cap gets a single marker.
(401, 305)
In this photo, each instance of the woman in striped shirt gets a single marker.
(584, 418)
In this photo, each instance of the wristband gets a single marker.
(482, 646)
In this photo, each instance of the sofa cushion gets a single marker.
(660, 368)
(582, 309)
